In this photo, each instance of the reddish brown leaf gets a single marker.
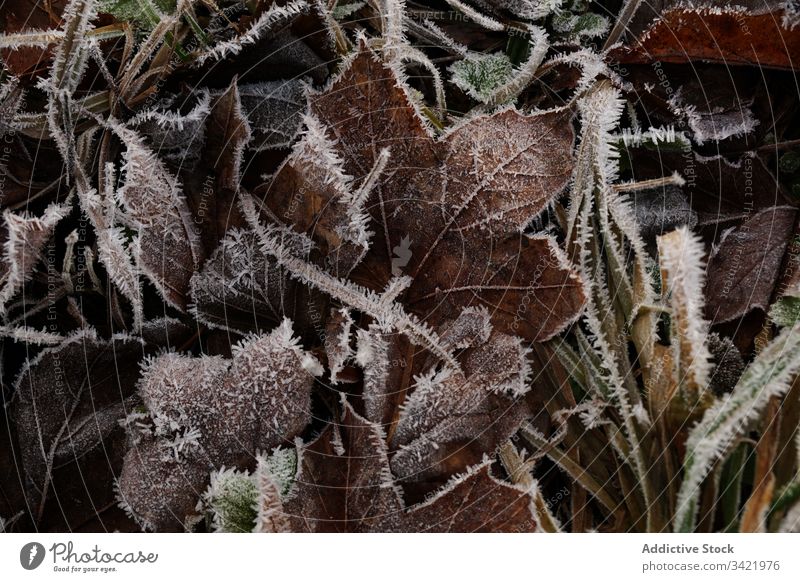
(713, 31)
(448, 212)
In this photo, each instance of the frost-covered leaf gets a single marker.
(166, 247)
(252, 402)
(744, 267)
(771, 374)
(345, 485)
(177, 135)
(68, 401)
(231, 498)
(383, 358)
(682, 281)
(268, 21)
(274, 111)
(23, 238)
(437, 201)
(227, 134)
(338, 332)
(661, 210)
(139, 11)
(206, 413)
(579, 26)
(712, 30)
(160, 492)
(478, 75)
(450, 417)
(527, 9)
(242, 289)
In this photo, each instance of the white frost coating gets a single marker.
(31, 37)
(683, 276)
(31, 336)
(717, 124)
(174, 120)
(471, 13)
(771, 374)
(526, 72)
(337, 341)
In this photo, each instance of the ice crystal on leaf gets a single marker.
(230, 408)
(445, 195)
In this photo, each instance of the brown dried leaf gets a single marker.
(744, 268)
(23, 238)
(166, 248)
(344, 485)
(758, 33)
(451, 418)
(239, 288)
(448, 212)
(227, 134)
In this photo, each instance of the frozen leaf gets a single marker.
(355, 492)
(382, 357)
(68, 401)
(11, 99)
(138, 11)
(227, 134)
(269, 20)
(166, 247)
(712, 30)
(231, 499)
(471, 328)
(771, 374)
(451, 416)
(528, 9)
(252, 402)
(23, 238)
(478, 75)
(177, 136)
(274, 111)
(785, 312)
(338, 333)
(579, 26)
(728, 364)
(242, 289)
(661, 210)
(160, 493)
(209, 412)
(682, 279)
(438, 201)
(743, 269)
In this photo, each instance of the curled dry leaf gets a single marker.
(448, 212)
(203, 413)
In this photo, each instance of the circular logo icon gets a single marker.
(31, 555)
